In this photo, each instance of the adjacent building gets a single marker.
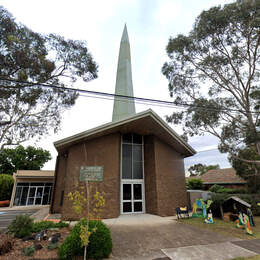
(32, 188)
(226, 177)
(137, 158)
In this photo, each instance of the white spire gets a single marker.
(124, 107)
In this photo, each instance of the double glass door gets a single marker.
(132, 197)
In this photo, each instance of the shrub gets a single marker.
(219, 198)
(225, 190)
(43, 225)
(194, 184)
(21, 226)
(6, 244)
(52, 246)
(6, 186)
(215, 188)
(29, 251)
(221, 189)
(100, 242)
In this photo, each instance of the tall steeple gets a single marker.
(124, 107)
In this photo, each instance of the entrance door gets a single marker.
(133, 198)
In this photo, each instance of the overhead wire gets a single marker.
(145, 101)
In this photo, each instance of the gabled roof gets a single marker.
(143, 123)
(238, 200)
(222, 176)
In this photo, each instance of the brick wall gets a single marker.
(150, 176)
(170, 176)
(103, 151)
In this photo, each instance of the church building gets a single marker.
(137, 159)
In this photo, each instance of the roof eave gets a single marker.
(66, 141)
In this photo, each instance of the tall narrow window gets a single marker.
(132, 156)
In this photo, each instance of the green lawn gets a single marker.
(257, 257)
(225, 227)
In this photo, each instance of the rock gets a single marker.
(54, 229)
(27, 238)
(44, 235)
(38, 246)
(54, 239)
(57, 235)
(38, 237)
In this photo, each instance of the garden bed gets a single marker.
(44, 253)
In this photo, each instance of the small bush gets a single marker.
(225, 190)
(29, 251)
(219, 198)
(21, 226)
(100, 242)
(6, 186)
(43, 225)
(215, 188)
(6, 244)
(52, 246)
(194, 184)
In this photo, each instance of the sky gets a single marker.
(150, 23)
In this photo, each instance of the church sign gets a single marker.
(91, 173)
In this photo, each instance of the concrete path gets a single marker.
(218, 251)
(149, 237)
(6, 216)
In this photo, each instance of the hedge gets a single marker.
(6, 186)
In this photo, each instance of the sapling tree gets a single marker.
(82, 200)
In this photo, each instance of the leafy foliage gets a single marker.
(100, 242)
(218, 199)
(249, 172)
(28, 59)
(21, 226)
(221, 189)
(214, 71)
(52, 246)
(200, 169)
(20, 158)
(29, 251)
(6, 186)
(194, 184)
(44, 225)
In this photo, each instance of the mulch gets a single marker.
(44, 253)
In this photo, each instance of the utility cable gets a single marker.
(124, 97)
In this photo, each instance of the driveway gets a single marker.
(6, 216)
(150, 237)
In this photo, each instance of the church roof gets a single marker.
(143, 123)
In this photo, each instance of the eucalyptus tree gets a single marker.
(34, 71)
(214, 72)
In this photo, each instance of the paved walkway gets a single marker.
(147, 237)
(6, 216)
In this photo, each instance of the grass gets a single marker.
(256, 257)
(227, 228)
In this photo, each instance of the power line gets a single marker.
(124, 97)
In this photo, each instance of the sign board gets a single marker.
(91, 173)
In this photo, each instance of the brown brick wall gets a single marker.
(103, 151)
(171, 188)
(60, 173)
(150, 176)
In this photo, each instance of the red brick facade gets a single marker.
(163, 175)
